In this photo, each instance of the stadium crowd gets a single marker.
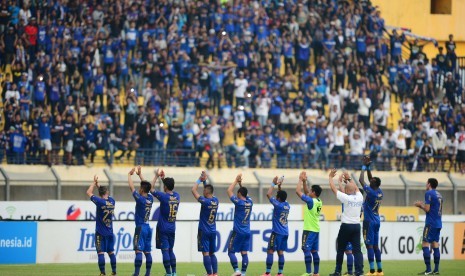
(302, 83)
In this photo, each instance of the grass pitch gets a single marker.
(391, 268)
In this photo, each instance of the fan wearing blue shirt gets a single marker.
(104, 238)
(371, 221)
(280, 230)
(433, 224)
(206, 235)
(45, 135)
(166, 226)
(239, 240)
(143, 233)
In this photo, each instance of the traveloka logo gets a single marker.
(419, 246)
(10, 210)
(73, 213)
(123, 241)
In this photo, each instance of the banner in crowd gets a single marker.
(388, 213)
(18, 242)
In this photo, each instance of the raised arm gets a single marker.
(305, 186)
(202, 178)
(159, 173)
(269, 194)
(131, 184)
(90, 190)
(298, 188)
(236, 181)
(332, 174)
(340, 180)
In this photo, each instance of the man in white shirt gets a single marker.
(364, 105)
(263, 104)
(460, 136)
(349, 231)
(357, 146)
(340, 134)
(380, 118)
(240, 85)
(312, 113)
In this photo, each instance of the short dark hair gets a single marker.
(169, 183)
(433, 182)
(377, 181)
(317, 189)
(102, 190)
(146, 186)
(209, 188)
(281, 195)
(243, 191)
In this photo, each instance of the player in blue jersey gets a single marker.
(166, 226)
(239, 240)
(433, 224)
(206, 235)
(143, 232)
(104, 238)
(280, 230)
(371, 221)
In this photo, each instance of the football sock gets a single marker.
(378, 259)
(166, 261)
(316, 262)
(207, 262)
(245, 263)
(437, 257)
(269, 262)
(148, 263)
(280, 263)
(350, 263)
(308, 261)
(233, 260)
(113, 262)
(172, 261)
(371, 258)
(101, 263)
(427, 258)
(137, 263)
(214, 263)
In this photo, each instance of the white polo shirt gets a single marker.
(352, 207)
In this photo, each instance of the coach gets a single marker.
(349, 231)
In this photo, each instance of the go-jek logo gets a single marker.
(73, 213)
(123, 241)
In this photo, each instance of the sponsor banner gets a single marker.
(18, 242)
(23, 210)
(74, 242)
(459, 241)
(410, 214)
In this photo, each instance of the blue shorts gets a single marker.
(164, 240)
(104, 243)
(143, 238)
(310, 240)
(371, 232)
(238, 242)
(431, 234)
(277, 242)
(349, 247)
(206, 242)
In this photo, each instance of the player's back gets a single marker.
(143, 208)
(242, 211)
(207, 220)
(434, 216)
(280, 214)
(372, 203)
(104, 215)
(169, 203)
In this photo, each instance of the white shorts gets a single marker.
(69, 146)
(46, 143)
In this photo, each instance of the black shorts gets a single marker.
(460, 156)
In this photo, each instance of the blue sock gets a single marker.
(233, 260)
(427, 258)
(166, 261)
(378, 259)
(113, 262)
(137, 263)
(148, 263)
(308, 261)
(101, 263)
(245, 262)
(280, 263)
(316, 262)
(172, 261)
(269, 262)
(214, 263)
(207, 263)
(437, 258)
(371, 258)
(350, 263)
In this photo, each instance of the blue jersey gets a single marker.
(242, 214)
(280, 214)
(207, 220)
(44, 130)
(372, 202)
(143, 208)
(433, 217)
(169, 204)
(104, 219)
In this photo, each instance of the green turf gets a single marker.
(391, 268)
